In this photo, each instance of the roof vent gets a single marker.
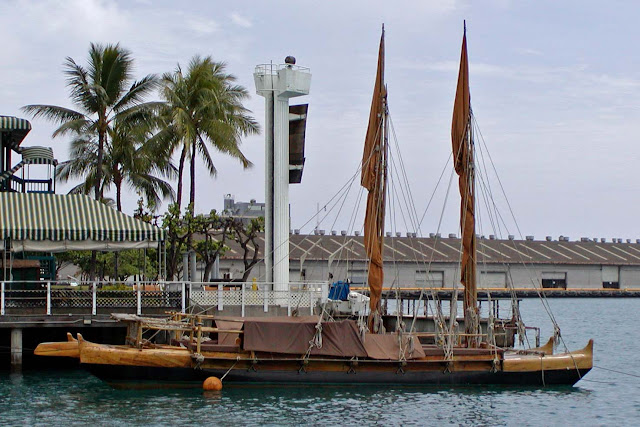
(549, 238)
(564, 238)
(296, 231)
(628, 240)
(321, 232)
(334, 233)
(453, 236)
(408, 234)
(438, 235)
(492, 237)
(315, 231)
(432, 235)
(619, 240)
(585, 239)
(414, 235)
(512, 237)
(638, 241)
(343, 232)
(356, 233)
(529, 238)
(398, 234)
(603, 239)
(388, 234)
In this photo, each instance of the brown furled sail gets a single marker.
(462, 140)
(374, 180)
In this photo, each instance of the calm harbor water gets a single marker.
(73, 397)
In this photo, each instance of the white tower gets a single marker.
(278, 83)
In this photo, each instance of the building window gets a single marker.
(610, 277)
(493, 279)
(358, 277)
(554, 280)
(432, 279)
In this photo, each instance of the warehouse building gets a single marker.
(432, 261)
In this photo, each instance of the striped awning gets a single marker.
(50, 218)
(38, 156)
(31, 156)
(15, 128)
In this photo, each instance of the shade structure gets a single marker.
(56, 223)
(31, 156)
(15, 129)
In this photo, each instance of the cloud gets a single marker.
(528, 51)
(241, 21)
(202, 26)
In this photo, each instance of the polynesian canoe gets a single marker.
(174, 366)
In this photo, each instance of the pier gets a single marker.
(34, 312)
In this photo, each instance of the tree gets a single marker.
(211, 233)
(179, 229)
(126, 264)
(100, 91)
(203, 107)
(132, 157)
(246, 235)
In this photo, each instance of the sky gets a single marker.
(554, 89)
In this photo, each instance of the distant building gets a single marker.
(412, 261)
(243, 210)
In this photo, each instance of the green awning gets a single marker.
(54, 222)
(14, 129)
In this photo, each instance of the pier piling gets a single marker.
(16, 349)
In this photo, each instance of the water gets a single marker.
(74, 397)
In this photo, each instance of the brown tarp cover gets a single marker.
(385, 347)
(227, 338)
(291, 335)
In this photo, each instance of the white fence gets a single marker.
(21, 298)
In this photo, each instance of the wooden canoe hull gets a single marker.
(67, 348)
(154, 377)
(126, 367)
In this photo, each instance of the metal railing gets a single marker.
(32, 185)
(50, 298)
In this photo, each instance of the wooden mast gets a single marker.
(463, 156)
(374, 175)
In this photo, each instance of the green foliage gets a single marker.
(131, 263)
(116, 287)
(101, 95)
(203, 107)
(208, 236)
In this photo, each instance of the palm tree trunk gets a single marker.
(183, 155)
(102, 133)
(118, 183)
(192, 195)
(116, 258)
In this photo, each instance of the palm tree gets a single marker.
(100, 92)
(132, 157)
(204, 107)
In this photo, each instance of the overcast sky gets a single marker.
(554, 85)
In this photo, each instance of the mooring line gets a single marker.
(237, 360)
(617, 372)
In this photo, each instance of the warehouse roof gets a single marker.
(448, 250)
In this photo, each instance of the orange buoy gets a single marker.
(212, 384)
